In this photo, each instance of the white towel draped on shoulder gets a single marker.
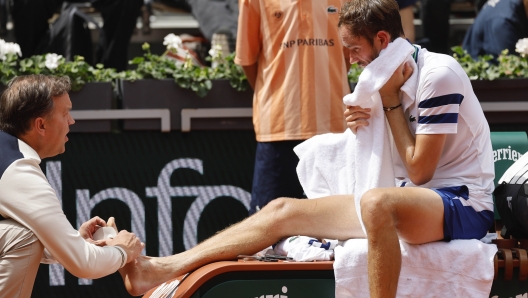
(349, 163)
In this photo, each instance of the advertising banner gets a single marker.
(173, 190)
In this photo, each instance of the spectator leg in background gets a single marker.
(3, 18)
(435, 24)
(120, 19)
(30, 21)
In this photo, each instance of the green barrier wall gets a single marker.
(508, 147)
(274, 288)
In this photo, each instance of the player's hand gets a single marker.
(390, 91)
(356, 117)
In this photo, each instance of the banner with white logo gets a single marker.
(173, 190)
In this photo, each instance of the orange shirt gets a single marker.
(301, 76)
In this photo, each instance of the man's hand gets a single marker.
(129, 242)
(124, 239)
(390, 91)
(356, 117)
(88, 228)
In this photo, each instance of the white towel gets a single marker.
(346, 163)
(373, 156)
(306, 249)
(324, 164)
(460, 268)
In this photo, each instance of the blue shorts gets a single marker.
(462, 222)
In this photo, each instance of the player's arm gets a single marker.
(419, 154)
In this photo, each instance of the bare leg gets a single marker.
(415, 215)
(331, 217)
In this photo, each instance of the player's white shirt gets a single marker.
(446, 104)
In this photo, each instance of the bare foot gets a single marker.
(143, 274)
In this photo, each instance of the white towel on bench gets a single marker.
(460, 268)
